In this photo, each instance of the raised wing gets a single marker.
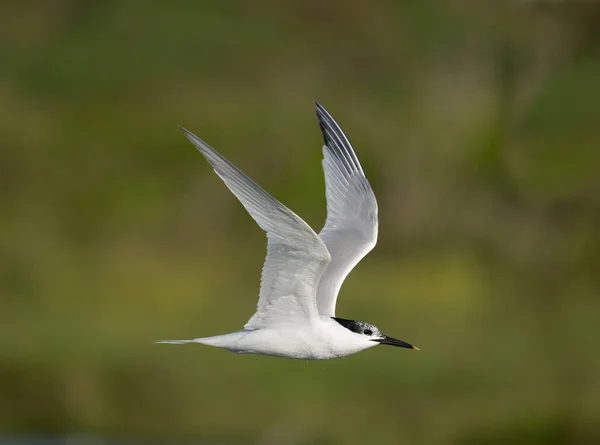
(350, 231)
(296, 256)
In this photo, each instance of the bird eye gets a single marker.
(368, 332)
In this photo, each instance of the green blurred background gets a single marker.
(478, 125)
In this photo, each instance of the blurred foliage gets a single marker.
(478, 126)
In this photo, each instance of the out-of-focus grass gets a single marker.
(476, 125)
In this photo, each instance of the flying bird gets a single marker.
(303, 271)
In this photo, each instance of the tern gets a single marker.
(303, 271)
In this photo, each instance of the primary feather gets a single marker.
(350, 231)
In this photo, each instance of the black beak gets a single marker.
(385, 340)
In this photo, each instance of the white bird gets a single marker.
(303, 271)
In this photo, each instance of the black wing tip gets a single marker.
(322, 113)
(327, 124)
(335, 139)
(324, 118)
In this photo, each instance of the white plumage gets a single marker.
(303, 271)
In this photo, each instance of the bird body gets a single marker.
(322, 340)
(303, 271)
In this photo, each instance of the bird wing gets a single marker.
(296, 256)
(350, 231)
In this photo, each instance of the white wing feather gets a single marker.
(296, 256)
(350, 231)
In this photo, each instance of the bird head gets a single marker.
(371, 333)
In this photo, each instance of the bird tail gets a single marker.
(220, 341)
(175, 342)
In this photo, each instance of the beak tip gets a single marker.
(415, 348)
